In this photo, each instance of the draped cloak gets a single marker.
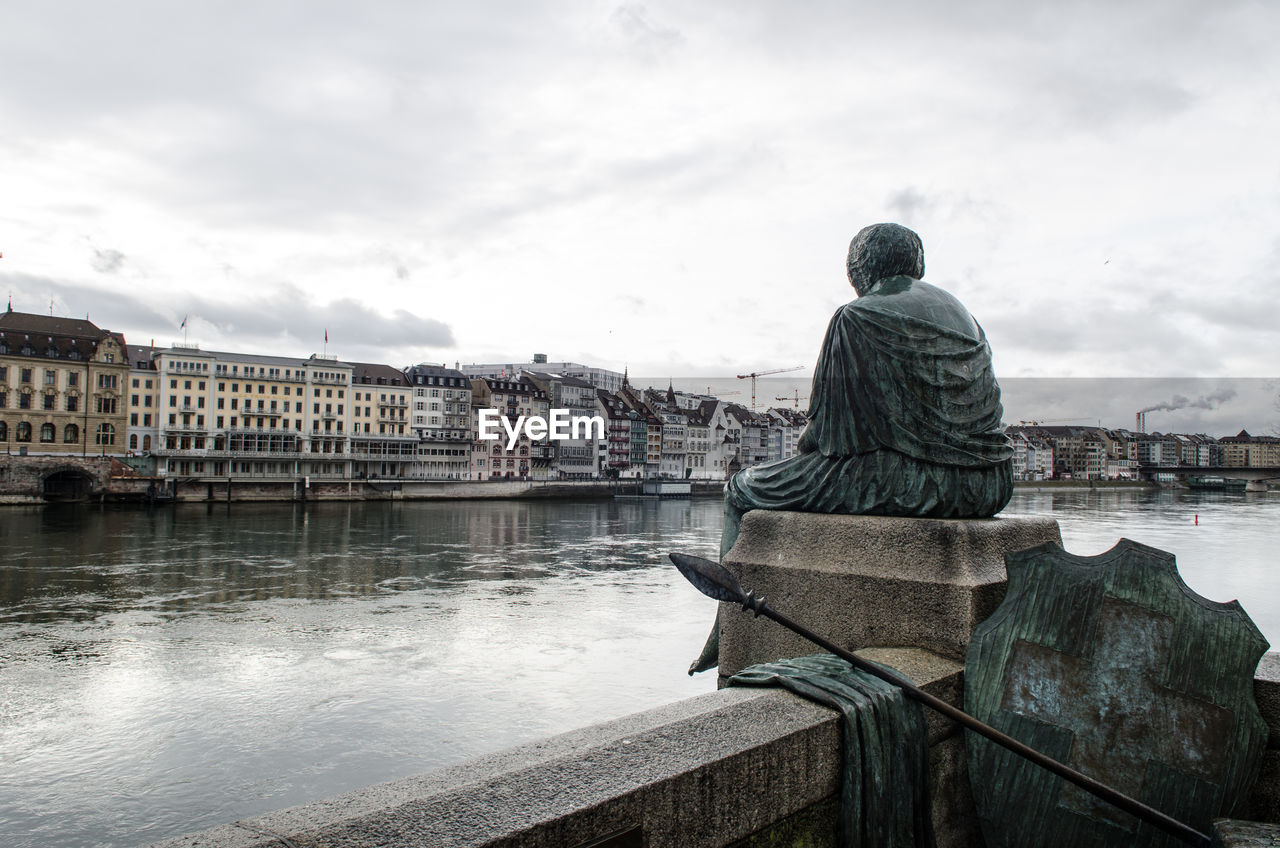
(904, 416)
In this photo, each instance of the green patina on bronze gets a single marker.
(904, 414)
(1114, 666)
(904, 411)
(884, 800)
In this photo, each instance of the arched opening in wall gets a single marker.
(70, 484)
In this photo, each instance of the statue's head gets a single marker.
(884, 250)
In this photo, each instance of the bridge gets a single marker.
(38, 479)
(1251, 474)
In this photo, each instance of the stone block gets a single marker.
(1266, 691)
(1231, 833)
(865, 581)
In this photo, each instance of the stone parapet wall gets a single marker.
(738, 767)
(708, 771)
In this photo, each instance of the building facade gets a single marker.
(62, 384)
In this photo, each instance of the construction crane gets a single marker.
(798, 398)
(752, 376)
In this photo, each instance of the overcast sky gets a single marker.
(665, 186)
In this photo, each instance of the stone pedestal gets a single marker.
(906, 592)
(866, 581)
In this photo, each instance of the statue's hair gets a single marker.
(884, 250)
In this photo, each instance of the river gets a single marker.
(164, 671)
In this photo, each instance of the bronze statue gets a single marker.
(904, 414)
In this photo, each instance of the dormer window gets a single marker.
(73, 354)
(28, 350)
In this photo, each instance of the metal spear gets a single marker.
(715, 581)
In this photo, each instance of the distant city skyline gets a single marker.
(663, 186)
(1248, 403)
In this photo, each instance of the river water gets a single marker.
(164, 671)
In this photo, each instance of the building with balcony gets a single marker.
(383, 444)
(442, 421)
(242, 416)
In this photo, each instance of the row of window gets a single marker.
(105, 434)
(27, 375)
(50, 351)
(49, 401)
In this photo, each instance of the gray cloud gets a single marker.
(106, 261)
(284, 321)
(652, 41)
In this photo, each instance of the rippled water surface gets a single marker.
(165, 671)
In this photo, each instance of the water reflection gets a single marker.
(185, 667)
(165, 671)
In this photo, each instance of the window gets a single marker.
(73, 403)
(135, 382)
(24, 432)
(146, 419)
(107, 381)
(73, 379)
(186, 384)
(24, 375)
(50, 401)
(47, 433)
(50, 377)
(4, 432)
(133, 441)
(106, 435)
(105, 405)
(24, 401)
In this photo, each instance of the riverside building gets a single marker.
(61, 385)
(442, 421)
(383, 445)
(251, 417)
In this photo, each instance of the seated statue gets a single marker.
(904, 412)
